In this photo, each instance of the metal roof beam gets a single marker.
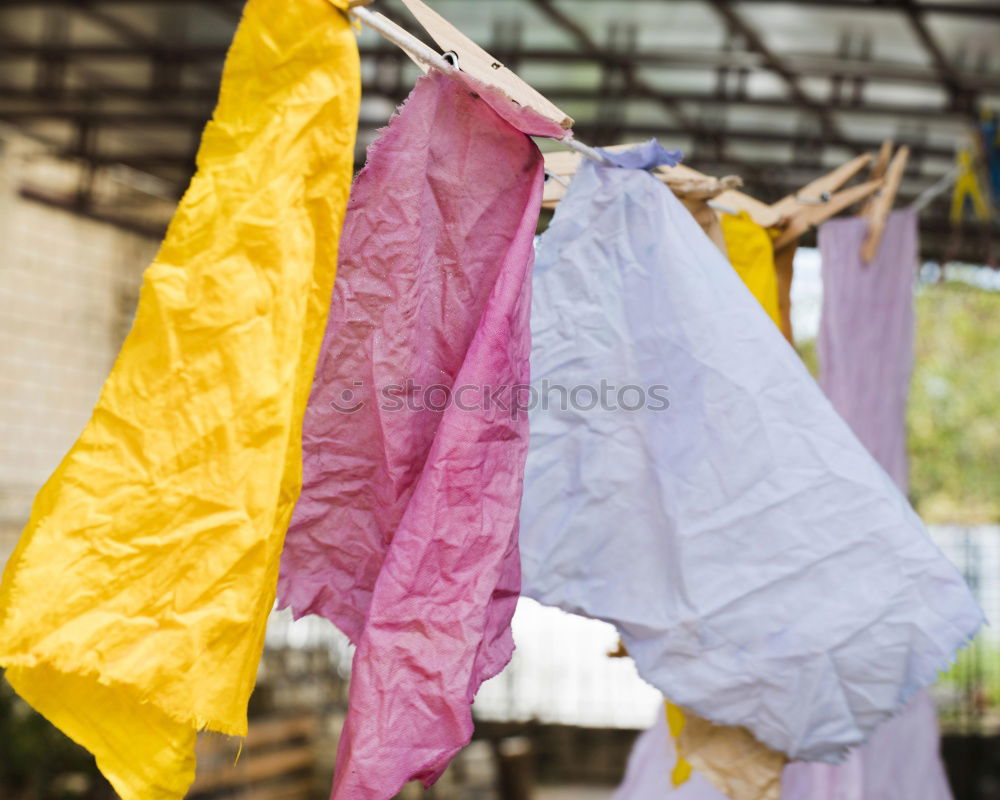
(628, 128)
(735, 21)
(979, 10)
(612, 60)
(803, 65)
(26, 104)
(960, 97)
(134, 36)
(228, 9)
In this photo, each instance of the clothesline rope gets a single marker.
(409, 42)
(939, 187)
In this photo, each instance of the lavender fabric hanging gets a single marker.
(866, 333)
(866, 357)
(761, 569)
(405, 535)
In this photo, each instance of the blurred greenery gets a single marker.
(807, 352)
(953, 425)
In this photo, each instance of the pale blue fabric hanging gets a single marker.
(760, 566)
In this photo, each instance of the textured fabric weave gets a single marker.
(132, 612)
(405, 535)
(750, 552)
(729, 757)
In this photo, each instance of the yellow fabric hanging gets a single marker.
(967, 187)
(132, 612)
(675, 723)
(751, 253)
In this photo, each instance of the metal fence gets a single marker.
(968, 696)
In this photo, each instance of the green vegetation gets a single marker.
(953, 430)
(969, 694)
(953, 421)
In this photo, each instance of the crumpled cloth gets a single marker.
(866, 358)
(730, 757)
(414, 440)
(751, 253)
(132, 612)
(647, 155)
(760, 567)
(865, 342)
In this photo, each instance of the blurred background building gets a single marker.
(102, 103)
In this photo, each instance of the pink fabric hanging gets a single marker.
(866, 333)
(866, 356)
(405, 535)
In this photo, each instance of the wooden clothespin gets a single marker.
(877, 172)
(811, 216)
(461, 52)
(878, 211)
(821, 190)
(818, 200)
(734, 202)
(689, 183)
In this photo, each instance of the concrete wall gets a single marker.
(68, 289)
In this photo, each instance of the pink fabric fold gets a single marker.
(405, 535)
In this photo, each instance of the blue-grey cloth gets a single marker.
(688, 481)
(643, 156)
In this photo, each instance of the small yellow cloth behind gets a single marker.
(967, 189)
(132, 612)
(675, 724)
(751, 253)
